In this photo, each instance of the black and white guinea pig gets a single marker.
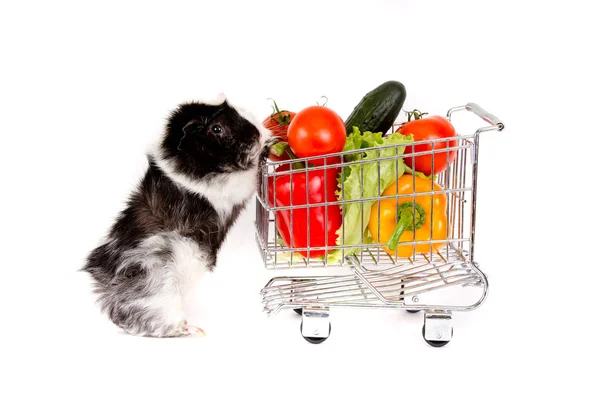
(201, 173)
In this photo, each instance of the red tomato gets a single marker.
(430, 128)
(315, 131)
(278, 122)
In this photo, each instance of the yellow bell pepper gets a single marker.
(400, 220)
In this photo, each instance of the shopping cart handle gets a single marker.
(486, 116)
(491, 119)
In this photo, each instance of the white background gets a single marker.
(85, 86)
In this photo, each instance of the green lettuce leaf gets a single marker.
(408, 170)
(365, 181)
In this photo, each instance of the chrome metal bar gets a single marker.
(486, 116)
(381, 281)
(360, 151)
(367, 199)
(396, 157)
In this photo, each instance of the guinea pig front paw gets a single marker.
(264, 151)
(270, 142)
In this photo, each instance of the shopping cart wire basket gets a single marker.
(433, 271)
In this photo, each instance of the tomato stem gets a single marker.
(283, 119)
(416, 114)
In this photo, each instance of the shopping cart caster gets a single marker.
(437, 328)
(437, 343)
(313, 339)
(315, 326)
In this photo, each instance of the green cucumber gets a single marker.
(378, 109)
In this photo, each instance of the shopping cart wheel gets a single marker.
(315, 340)
(436, 343)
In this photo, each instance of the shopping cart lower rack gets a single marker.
(438, 275)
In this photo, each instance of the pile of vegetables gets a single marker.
(318, 131)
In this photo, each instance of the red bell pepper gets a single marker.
(317, 228)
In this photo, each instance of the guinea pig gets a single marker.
(201, 173)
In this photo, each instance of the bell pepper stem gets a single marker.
(279, 148)
(283, 147)
(405, 220)
(296, 165)
(410, 217)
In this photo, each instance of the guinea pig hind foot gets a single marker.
(193, 330)
(186, 330)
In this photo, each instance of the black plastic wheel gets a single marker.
(315, 340)
(413, 311)
(298, 311)
(437, 343)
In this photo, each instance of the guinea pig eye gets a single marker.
(216, 129)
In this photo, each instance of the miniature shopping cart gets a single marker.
(442, 280)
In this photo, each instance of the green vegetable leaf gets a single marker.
(365, 180)
(408, 170)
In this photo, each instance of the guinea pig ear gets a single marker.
(190, 127)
